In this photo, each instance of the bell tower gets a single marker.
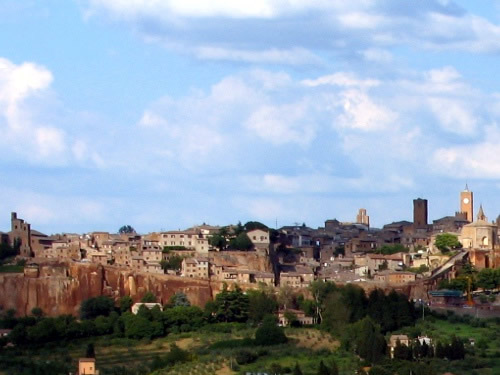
(467, 203)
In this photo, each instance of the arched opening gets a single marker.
(485, 241)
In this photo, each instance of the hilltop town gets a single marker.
(399, 254)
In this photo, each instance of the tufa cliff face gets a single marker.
(61, 287)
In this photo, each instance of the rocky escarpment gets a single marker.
(59, 288)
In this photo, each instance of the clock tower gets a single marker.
(467, 203)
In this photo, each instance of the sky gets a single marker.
(167, 114)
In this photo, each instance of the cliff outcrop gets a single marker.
(59, 288)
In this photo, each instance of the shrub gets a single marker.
(269, 333)
(244, 357)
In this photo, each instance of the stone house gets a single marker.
(152, 254)
(260, 239)
(153, 267)
(299, 315)
(137, 263)
(300, 277)
(189, 239)
(86, 366)
(394, 277)
(394, 262)
(198, 267)
(99, 258)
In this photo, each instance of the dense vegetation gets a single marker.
(487, 279)
(238, 331)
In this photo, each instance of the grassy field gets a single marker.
(482, 339)
(306, 346)
(216, 353)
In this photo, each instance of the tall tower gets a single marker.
(420, 213)
(467, 203)
(362, 217)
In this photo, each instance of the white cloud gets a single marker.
(454, 116)
(282, 124)
(361, 112)
(475, 160)
(18, 82)
(50, 141)
(24, 103)
(294, 56)
(361, 20)
(341, 79)
(292, 32)
(377, 55)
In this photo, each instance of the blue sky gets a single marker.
(167, 114)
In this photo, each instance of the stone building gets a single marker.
(481, 239)
(362, 217)
(420, 215)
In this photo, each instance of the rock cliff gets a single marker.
(61, 287)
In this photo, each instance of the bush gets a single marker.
(244, 357)
(269, 333)
(235, 343)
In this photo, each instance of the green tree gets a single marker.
(269, 333)
(178, 299)
(103, 325)
(392, 249)
(367, 341)
(149, 297)
(93, 307)
(320, 290)
(402, 351)
(379, 370)
(126, 229)
(183, 318)
(241, 242)
(125, 303)
(218, 240)
(354, 298)
(323, 370)
(488, 279)
(174, 262)
(297, 370)
(231, 306)
(137, 327)
(446, 242)
(334, 369)
(336, 314)
(459, 283)
(261, 303)
(251, 225)
(145, 312)
(90, 351)
(456, 349)
(37, 312)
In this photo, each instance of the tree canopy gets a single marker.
(126, 229)
(93, 307)
(446, 242)
(149, 297)
(230, 306)
(241, 242)
(269, 333)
